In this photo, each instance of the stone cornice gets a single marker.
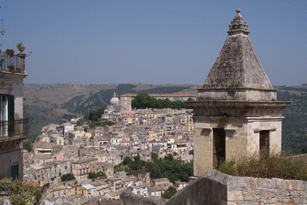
(234, 89)
(234, 118)
(13, 75)
(238, 104)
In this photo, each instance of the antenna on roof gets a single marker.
(2, 31)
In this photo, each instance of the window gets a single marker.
(7, 113)
(3, 110)
(15, 171)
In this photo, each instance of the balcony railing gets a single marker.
(11, 130)
(15, 64)
(6, 61)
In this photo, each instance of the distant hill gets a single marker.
(295, 122)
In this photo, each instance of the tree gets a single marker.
(159, 103)
(154, 156)
(79, 122)
(27, 145)
(94, 115)
(127, 161)
(20, 192)
(190, 100)
(169, 157)
(67, 177)
(100, 174)
(91, 175)
(169, 192)
(154, 170)
(141, 101)
(167, 103)
(100, 124)
(172, 179)
(304, 150)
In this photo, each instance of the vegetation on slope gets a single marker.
(267, 166)
(295, 121)
(143, 100)
(103, 97)
(94, 119)
(20, 193)
(169, 192)
(67, 177)
(162, 168)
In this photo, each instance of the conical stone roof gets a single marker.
(237, 65)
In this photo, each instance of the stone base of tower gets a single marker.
(226, 130)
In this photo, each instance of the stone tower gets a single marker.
(236, 113)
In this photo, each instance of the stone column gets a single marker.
(21, 66)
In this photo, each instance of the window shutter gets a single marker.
(11, 108)
(11, 114)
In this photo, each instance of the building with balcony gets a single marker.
(13, 127)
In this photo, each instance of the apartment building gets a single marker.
(13, 127)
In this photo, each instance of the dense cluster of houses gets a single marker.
(78, 150)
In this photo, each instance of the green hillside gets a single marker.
(295, 122)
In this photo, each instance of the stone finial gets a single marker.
(238, 10)
(238, 24)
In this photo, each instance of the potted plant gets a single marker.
(20, 47)
(10, 52)
(11, 68)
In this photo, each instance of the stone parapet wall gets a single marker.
(214, 187)
(128, 198)
(249, 190)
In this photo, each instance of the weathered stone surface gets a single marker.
(238, 190)
(238, 100)
(237, 64)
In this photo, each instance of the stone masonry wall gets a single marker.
(214, 187)
(128, 198)
(242, 137)
(249, 190)
(203, 190)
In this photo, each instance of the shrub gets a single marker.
(67, 177)
(20, 193)
(228, 168)
(93, 175)
(169, 192)
(117, 168)
(268, 166)
(46, 185)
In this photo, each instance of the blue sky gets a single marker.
(152, 42)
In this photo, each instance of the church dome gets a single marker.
(114, 100)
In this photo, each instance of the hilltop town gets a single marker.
(76, 149)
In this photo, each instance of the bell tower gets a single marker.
(237, 112)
